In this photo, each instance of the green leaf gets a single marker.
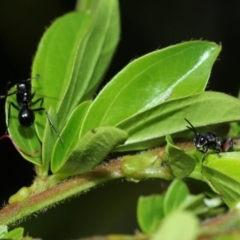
(53, 61)
(180, 162)
(92, 56)
(178, 225)
(70, 134)
(170, 73)
(222, 174)
(148, 129)
(49, 140)
(195, 204)
(75, 61)
(25, 139)
(15, 234)
(176, 194)
(149, 212)
(83, 53)
(86, 5)
(89, 151)
(22, 194)
(3, 230)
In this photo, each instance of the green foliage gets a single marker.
(176, 225)
(161, 87)
(152, 79)
(89, 151)
(149, 128)
(181, 163)
(219, 172)
(70, 134)
(138, 109)
(178, 213)
(71, 68)
(15, 234)
(149, 212)
(223, 175)
(176, 209)
(3, 230)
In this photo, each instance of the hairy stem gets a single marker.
(76, 185)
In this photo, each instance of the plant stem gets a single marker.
(106, 172)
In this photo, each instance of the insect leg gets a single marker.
(217, 151)
(49, 120)
(31, 97)
(36, 101)
(9, 94)
(205, 152)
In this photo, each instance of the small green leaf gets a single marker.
(135, 164)
(15, 234)
(148, 129)
(149, 212)
(176, 194)
(49, 139)
(222, 173)
(3, 230)
(170, 73)
(89, 151)
(70, 134)
(21, 195)
(180, 162)
(178, 225)
(195, 204)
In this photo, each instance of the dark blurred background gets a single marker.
(146, 26)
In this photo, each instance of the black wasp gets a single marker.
(24, 98)
(209, 140)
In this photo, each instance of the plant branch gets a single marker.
(126, 167)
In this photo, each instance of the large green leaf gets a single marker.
(72, 64)
(147, 129)
(53, 60)
(170, 73)
(106, 28)
(92, 56)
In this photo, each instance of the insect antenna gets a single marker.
(191, 127)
